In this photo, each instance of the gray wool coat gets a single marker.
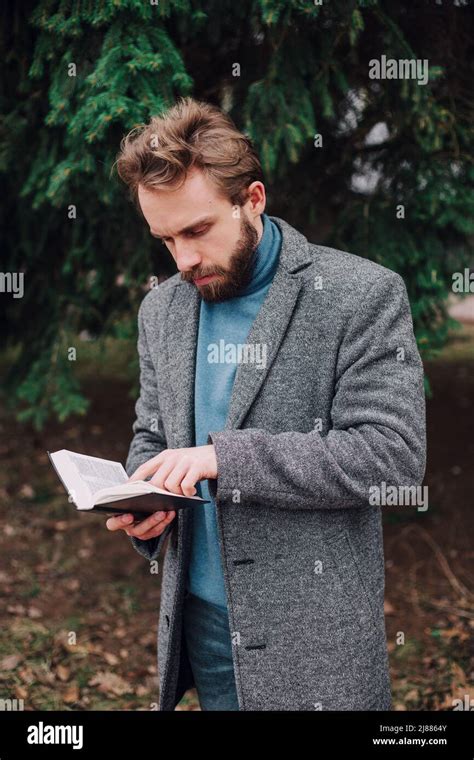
(338, 407)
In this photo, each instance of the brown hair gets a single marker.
(190, 134)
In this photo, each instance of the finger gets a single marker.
(119, 522)
(188, 483)
(173, 481)
(158, 530)
(148, 468)
(163, 472)
(145, 525)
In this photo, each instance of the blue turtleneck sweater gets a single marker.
(220, 324)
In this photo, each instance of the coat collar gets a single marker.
(268, 328)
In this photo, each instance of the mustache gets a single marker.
(197, 275)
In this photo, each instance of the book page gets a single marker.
(83, 476)
(124, 491)
(98, 474)
(134, 488)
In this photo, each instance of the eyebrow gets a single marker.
(188, 227)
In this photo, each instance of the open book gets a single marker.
(95, 484)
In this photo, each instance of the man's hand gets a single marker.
(177, 470)
(151, 527)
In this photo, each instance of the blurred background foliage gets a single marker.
(303, 72)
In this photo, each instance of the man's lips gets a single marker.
(204, 280)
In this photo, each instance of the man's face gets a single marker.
(212, 249)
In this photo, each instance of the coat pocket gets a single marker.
(348, 579)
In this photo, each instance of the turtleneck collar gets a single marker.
(266, 257)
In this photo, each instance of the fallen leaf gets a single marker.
(71, 694)
(111, 658)
(63, 673)
(16, 609)
(10, 662)
(27, 491)
(26, 675)
(110, 683)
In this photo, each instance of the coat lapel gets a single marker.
(268, 329)
(182, 333)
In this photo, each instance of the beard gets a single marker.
(237, 276)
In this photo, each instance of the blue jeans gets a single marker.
(208, 641)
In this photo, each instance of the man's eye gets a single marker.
(192, 233)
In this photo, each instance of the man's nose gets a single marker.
(186, 258)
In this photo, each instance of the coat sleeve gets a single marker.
(377, 415)
(149, 437)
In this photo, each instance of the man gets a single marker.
(280, 380)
